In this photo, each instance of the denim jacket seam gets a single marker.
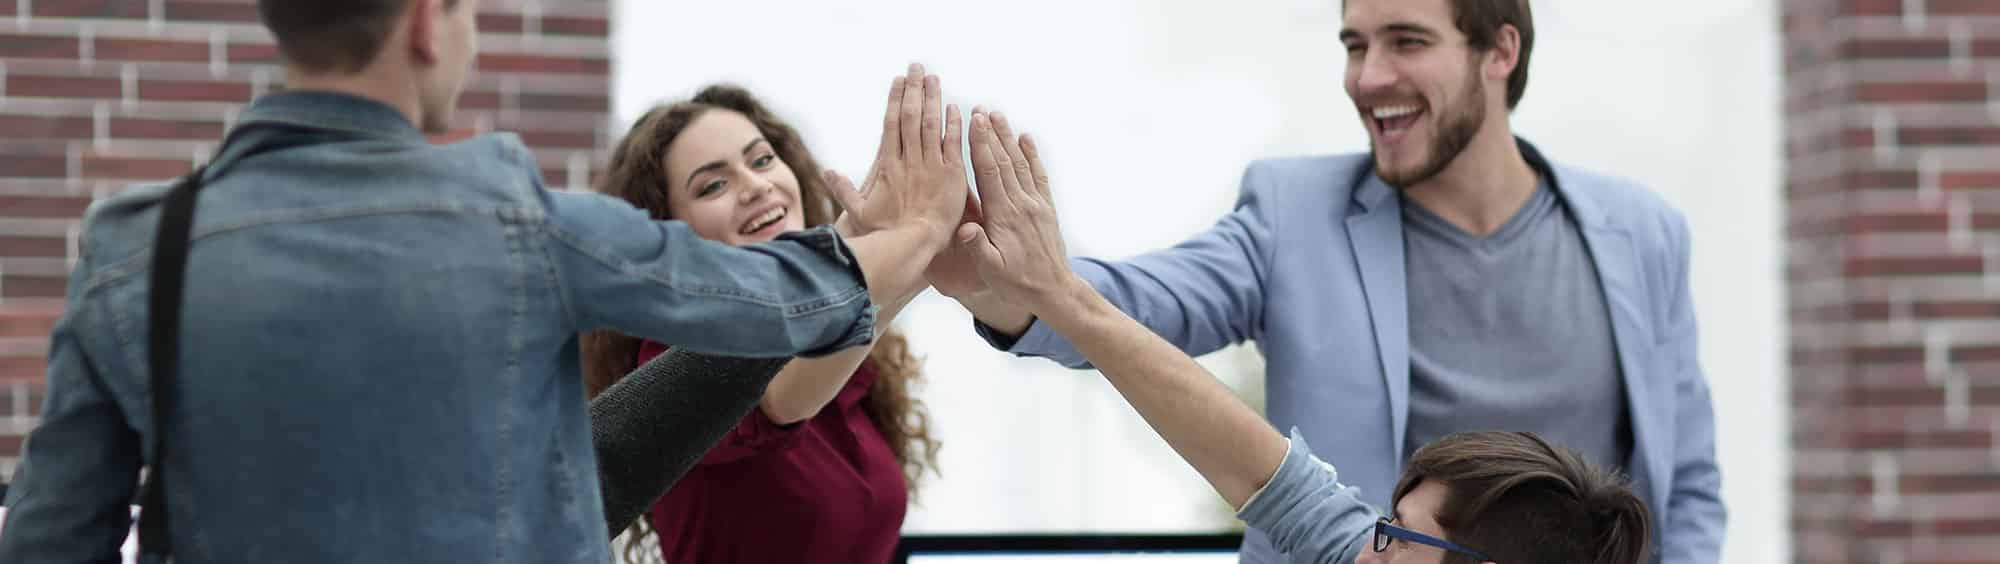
(125, 267)
(701, 290)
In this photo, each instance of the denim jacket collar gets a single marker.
(332, 111)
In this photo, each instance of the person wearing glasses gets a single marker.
(1495, 497)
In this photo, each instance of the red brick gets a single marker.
(1986, 47)
(8, 8)
(1891, 223)
(197, 10)
(17, 286)
(1882, 179)
(1871, 8)
(63, 87)
(563, 102)
(60, 207)
(559, 139)
(38, 47)
(28, 321)
(36, 247)
(491, 63)
(1970, 180)
(44, 127)
(124, 9)
(136, 128)
(1949, 136)
(500, 23)
(479, 100)
(1912, 92)
(125, 168)
(1906, 266)
(1896, 48)
(194, 91)
(593, 27)
(150, 50)
(255, 53)
(23, 166)
(1961, 7)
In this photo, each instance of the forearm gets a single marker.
(805, 385)
(892, 260)
(656, 423)
(1002, 317)
(1226, 441)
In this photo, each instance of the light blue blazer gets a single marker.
(1310, 266)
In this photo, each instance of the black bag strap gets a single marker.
(163, 315)
(163, 310)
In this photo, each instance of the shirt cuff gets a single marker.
(1267, 482)
(827, 241)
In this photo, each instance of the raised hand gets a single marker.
(1018, 247)
(918, 178)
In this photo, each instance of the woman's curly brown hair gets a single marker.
(637, 174)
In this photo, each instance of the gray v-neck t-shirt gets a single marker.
(1510, 332)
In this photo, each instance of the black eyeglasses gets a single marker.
(1385, 531)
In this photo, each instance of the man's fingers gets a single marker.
(842, 191)
(1018, 167)
(1004, 154)
(933, 126)
(912, 120)
(892, 132)
(1035, 170)
(954, 137)
(984, 252)
(985, 168)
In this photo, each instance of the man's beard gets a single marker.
(1457, 126)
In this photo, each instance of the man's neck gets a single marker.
(372, 83)
(1484, 186)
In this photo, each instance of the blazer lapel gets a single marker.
(1375, 229)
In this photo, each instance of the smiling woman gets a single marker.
(828, 460)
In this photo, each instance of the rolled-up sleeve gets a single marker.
(1306, 511)
(802, 294)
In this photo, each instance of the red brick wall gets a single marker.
(1892, 123)
(95, 94)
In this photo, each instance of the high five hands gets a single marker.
(1002, 250)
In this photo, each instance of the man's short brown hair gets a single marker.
(1517, 499)
(1480, 21)
(342, 36)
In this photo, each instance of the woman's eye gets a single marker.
(709, 188)
(763, 161)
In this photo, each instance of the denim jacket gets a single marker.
(379, 357)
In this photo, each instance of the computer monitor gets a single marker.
(1069, 549)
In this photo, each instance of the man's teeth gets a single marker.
(763, 221)
(1393, 112)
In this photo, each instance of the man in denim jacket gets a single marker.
(378, 358)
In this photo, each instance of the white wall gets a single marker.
(1148, 110)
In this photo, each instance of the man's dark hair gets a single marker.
(1480, 21)
(342, 36)
(1518, 499)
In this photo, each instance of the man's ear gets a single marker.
(1506, 53)
(422, 25)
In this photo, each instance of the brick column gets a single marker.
(1892, 150)
(97, 94)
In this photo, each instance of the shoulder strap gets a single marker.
(163, 315)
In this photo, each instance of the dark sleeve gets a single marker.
(653, 425)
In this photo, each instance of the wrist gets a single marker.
(1071, 299)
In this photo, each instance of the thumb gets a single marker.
(972, 237)
(842, 191)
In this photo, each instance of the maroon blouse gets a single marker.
(827, 489)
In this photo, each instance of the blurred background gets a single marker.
(1838, 160)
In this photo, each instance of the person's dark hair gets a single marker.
(1517, 498)
(638, 175)
(332, 35)
(1480, 21)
